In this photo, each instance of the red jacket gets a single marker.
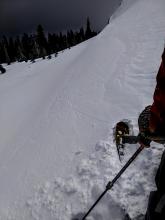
(157, 120)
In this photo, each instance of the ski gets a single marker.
(121, 129)
(123, 134)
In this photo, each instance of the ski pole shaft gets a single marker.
(111, 183)
(92, 207)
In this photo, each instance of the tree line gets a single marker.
(30, 47)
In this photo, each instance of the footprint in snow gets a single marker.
(78, 153)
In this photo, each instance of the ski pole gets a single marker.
(111, 183)
(135, 139)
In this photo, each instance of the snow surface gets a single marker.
(57, 117)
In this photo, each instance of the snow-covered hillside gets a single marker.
(56, 120)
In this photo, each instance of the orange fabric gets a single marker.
(157, 120)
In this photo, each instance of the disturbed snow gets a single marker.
(56, 146)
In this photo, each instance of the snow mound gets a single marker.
(69, 198)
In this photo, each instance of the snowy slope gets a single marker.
(56, 147)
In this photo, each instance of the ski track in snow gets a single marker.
(135, 42)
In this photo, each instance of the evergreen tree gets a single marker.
(6, 50)
(33, 52)
(69, 39)
(2, 53)
(88, 33)
(77, 38)
(12, 51)
(20, 53)
(50, 44)
(82, 34)
(65, 44)
(61, 43)
(26, 45)
(72, 36)
(38, 45)
(56, 42)
(41, 41)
